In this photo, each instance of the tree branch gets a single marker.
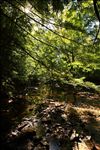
(96, 9)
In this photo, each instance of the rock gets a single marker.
(54, 143)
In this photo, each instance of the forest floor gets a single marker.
(73, 124)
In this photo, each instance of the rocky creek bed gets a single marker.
(55, 125)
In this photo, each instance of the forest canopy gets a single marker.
(53, 40)
(49, 74)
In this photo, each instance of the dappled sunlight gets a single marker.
(55, 122)
(49, 75)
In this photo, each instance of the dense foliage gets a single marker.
(49, 77)
(48, 40)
